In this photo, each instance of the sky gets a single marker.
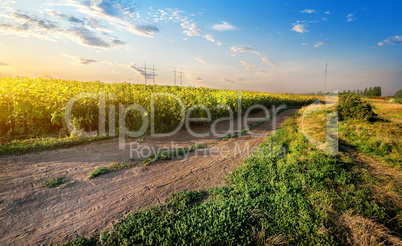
(268, 45)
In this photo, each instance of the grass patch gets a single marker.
(53, 183)
(19, 147)
(98, 171)
(307, 198)
(164, 155)
(239, 133)
(381, 138)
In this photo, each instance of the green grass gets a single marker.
(239, 133)
(294, 200)
(380, 138)
(53, 183)
(164, 155)
(19, 147)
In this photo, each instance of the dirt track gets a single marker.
(32, 214)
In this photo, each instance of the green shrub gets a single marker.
(99, 171)
(398, 94)
(398, 97)
(351, 106)
(52, 183)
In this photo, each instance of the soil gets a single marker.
(32, 214)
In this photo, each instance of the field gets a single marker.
(32, 111)
(287, 191)
(307, 198)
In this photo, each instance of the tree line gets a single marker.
(367, 92)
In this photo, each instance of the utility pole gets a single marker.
(174, 72)
(325, 83)
(153, 73)
(181, 78)
(145, 72)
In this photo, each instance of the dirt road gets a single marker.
(32, 214)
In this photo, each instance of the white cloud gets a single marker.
(200, 60)
(327, 12)
(141, 71)
(224, 79)
(225, 26)
(350, 18)
(116, 12)
(304, 43)
(247, 67)
(28, 25)
(191, 29)
(308, 11)
(300, 28)
(209, 37)
(198, 78)
(394, 40)
(318, 44)
(81, 60)
(242, 49)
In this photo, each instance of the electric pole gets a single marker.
(325, 82)
(174, 74)
(153, 73)
(145, 73)
(181, 76)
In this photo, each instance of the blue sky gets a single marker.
(273, 46)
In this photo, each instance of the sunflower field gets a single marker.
(34, 107)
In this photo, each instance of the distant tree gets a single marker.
(365, 92)
(378, 92)
(370, 92)
(398, 94)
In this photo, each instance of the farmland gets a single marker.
(301, 196)
(307, 198)
(35, 108)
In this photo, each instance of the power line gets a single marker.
(145, 72)
(325, 83)
(153, 73)
(181, 76)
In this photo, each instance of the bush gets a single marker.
(398, 97)
(52, 183)
(398, 94)
(351, 106)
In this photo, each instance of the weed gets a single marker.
(99, 171)
(19, 147)
(52, 183)
(164, 155)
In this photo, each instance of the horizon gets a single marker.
(277, 47)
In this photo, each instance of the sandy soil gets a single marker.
(32, 214)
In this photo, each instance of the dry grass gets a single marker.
(260, 238)
(389, 111)
(363, 231)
